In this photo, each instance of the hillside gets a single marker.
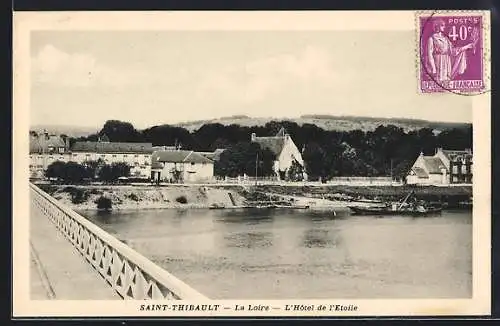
(74, 131)
(327, 122)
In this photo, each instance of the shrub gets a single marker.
(104, 203)
(133, 197)
(181, 200)
(78, 196)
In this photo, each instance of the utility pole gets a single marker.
(256, 166)
(391, 170)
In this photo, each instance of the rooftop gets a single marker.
(179, 156)
(114, 147)
(434, 164)
(41, 143)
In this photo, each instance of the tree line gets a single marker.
(387, 150)
(72, 172)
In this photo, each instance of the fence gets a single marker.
(129, 273)
(365, 181)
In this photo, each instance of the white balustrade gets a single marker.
(130, 274)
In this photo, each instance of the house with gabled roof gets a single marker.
(44, 149)
(284, 149)
(442, 168)
(180, 166)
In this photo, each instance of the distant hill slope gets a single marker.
(327, 122)
(73, 131)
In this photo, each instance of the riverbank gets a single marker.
(80, 197)
(451, 196)
(126, 197)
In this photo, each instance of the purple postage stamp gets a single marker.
(451, 53)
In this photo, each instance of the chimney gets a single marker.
(253, 136)
(66, 143)
(46, 133)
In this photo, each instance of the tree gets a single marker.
(56, 169)
(295, 172)
(75, 172)
(111, 173)
(104, 203)
(313, 157)
(119, 131)
(242, 157)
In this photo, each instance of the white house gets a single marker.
(284, 149)
(45, 149)
(443, 168)
(136, 155)
(181, 166)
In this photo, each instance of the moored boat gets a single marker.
(399, 208)
(390, 211)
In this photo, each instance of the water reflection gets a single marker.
(249, 240)
(250, 216)
(321, 238)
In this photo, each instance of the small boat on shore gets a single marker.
(397, 208)
(217, 206)
(420, 211)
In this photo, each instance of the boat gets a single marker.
(397, 208)
(217, 206)
(419, 211)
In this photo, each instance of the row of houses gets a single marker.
(172, 164)
(160, 163)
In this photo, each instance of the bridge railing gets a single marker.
(130, 274)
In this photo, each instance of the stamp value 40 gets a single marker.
(451, 53)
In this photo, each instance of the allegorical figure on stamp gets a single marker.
(444, 60)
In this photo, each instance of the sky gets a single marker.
(83, 78)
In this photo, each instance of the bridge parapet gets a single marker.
(130, 274)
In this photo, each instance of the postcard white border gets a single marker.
(25, 22)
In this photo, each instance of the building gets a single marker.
(442, 168)
(45, 149)
(181, 166)
(283, 148)
(136, 155)
(214, 156)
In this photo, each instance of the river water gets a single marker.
(286, 254)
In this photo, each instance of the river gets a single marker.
(285, 254)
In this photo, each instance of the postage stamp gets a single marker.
(451, 53)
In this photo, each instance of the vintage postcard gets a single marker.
(186, 164)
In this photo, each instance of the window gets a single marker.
(136, 155)
(113, 155)
(146, 156)
(192, 163)
(75, 155)
(61, 149)
(88, 155)
(125, 156)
